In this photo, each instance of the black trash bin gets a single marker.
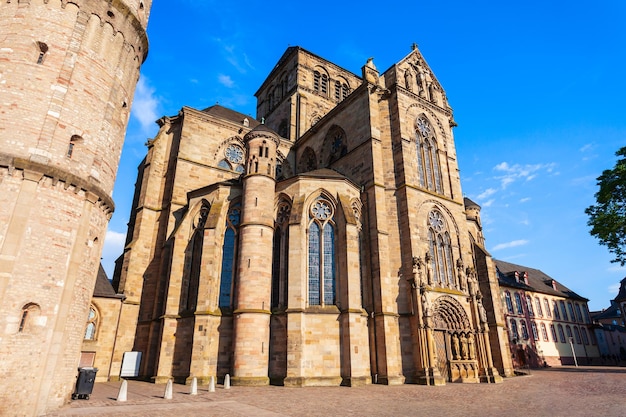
(84, 383)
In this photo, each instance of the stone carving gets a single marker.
(456, 348)
(471, 347)
(408, 79)
(463, 340)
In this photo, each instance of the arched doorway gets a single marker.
(455, 341)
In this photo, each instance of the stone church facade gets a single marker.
(68, 71)
(326, 243)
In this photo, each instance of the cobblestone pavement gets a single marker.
(564, 391)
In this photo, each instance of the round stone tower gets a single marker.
(256, 233)
(68, 71)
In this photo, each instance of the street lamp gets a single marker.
(571, 343)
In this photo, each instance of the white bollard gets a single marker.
(212, 384)
(194, 386)
(122, 395)
(227, 381)
(168, 390)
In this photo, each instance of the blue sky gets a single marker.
(537, 89)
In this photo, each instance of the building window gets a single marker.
(555, 309)
(561, 334)
(92, 324)
(563, 310)
(539, 309)
(544, 332)
(514, 332)
(518, 303)
(321, 253)
(28, 318)
(344, 90)
(229, 249)
(316, 80)
(568, 330)
(570, 308)
(280, 263)
(529, 306)
(524, 329)
(553, 331)
(579, 313)
(337, 90)
(509, 302)
(586, 311)
(324, 84)
(440, 248)
(533, 326)
(43, 49)
(233, 159)
(546, 304)
(577, 335)
(429, 172)
(585, 337)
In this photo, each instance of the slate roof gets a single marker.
(469, 203)
(103, 286)
(538, 281)
(621, 296)
(613, 312)
(232, 115)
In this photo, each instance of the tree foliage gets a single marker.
(607, 217)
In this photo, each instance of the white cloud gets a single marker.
(616, 268)
(145, 104)
(524, 200)
(614, 288)
(587, 147)
(488, 203)
(225, 80)
(528, 172)
(512, 244)
(486, 194)
(112, 249)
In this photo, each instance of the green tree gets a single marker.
(607, 217)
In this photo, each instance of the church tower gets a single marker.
(68, 72)
(256, 235)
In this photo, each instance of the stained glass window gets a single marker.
(428, 166)
(92, 323)
(322, 272)
(228, 257)
(440, 248)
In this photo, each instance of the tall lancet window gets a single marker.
(229, 256)
(321, 236)
(280, 256)
(440, 250)
(428, 169)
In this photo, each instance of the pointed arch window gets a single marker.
(280, 257)
(92, 324)
(529, 305)
(428, 168)
(538, 304)
(514, 332)
(229, 256)
(561, 334)
(321, 253)
(546, 304)
(555, 308)
(544, 332)
(440, 250)
(509, 302)
(553, 331)
(524, 329)
(518, 304)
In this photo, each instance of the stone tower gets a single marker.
(68, 71)
(256, 236)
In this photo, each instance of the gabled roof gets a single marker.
(231, 115)
(613, 312)
(103, 286)
(538, 281)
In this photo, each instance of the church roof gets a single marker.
(538, 281)
(103, 286)
(324, 173)
(469, 203)
(232, 115)
(621, 296)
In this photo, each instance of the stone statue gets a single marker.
(463, 347)
(482, 312)
(455, 346)
(471, 347)
(408, 79)
(429, 272)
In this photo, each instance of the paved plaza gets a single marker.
(564, 391)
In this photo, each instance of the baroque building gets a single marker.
(326, 243)
(68, 71)
(548, 324)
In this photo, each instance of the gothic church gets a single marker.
(326, 243)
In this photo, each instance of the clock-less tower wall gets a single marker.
(68, 71)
